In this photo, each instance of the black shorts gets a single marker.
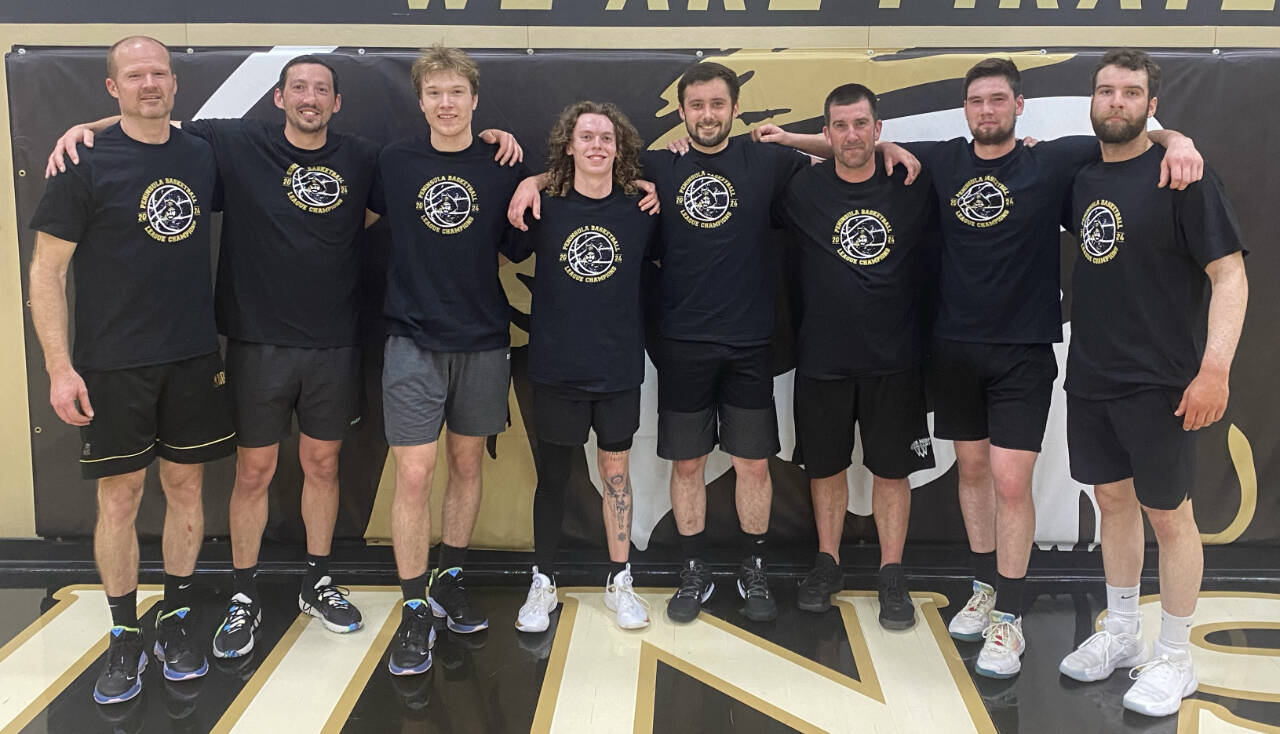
(563, 416)
(1134, 436)
(996, 391)
(889, 410)
(711, 392)
(179, 411)
(270, 383)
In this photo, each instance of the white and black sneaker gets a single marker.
(235, 637)
(696, 587)
(753, 586)
(329, 604)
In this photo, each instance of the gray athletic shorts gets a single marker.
(422, 390)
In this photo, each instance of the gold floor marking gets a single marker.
(43, 659)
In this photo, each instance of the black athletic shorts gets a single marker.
(270, 383)
(179, 411)
(996, 391)
(1134, 436)
(563, 416)
(711, 392)
(889, 411)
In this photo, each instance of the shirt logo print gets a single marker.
(314, 189)
(590, 254)
(1101, 232)
(447, 204)
(982, 202)
(863, 237)
(706, 200)
(168, 209)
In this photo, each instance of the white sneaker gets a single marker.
(970, 622)
(535, 614)
(1161, 683)
(633, 612)
(1098, 657)
(1001, 655)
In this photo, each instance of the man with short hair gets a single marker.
(447, 357)
(1158, 302)
(861, 236)
(145, 379)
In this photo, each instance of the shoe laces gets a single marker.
(538, 592)
(1103, 639)
(755, 582)
(332, 596)
(894, 586)
(123, 653)
(1000, 634)
(1159, 669)
(454, 595)
(693, 579)
(417, 626)
(980, 598)
(625, 594)
(239, 614)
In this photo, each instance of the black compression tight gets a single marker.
(554, 464)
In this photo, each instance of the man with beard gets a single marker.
(860, 236)
(145, 380)
(998, 316)
(1159, 293)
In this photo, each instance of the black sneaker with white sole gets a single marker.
(450, 600)
(819, 584)
(753, 586)
(121, 680)
(696, 587)
(177, 648)
(235, 637)
(329, 604)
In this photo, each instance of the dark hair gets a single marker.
(1133, 60)
(847, 94)
(994, 67)
(626, 164)
(111, 52)
(707, 72)
(307, 59)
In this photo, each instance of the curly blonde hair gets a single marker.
(626, 166)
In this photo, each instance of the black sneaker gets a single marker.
(235, 637)
(696, 587)
(753, 586)
(176, 647)
(450, 600)
(411, 649)
(825, 579)
(122, 678)
(328, 603)
(896, 610)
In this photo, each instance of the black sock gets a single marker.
(177, 592)
(692, 545)
(984, 567)
(555, 462)
(317, 568)
(124, 609)
(245, 581)
(615, 568)
(1009, 596)
(450, 556)
(752, 544)
(414, 588)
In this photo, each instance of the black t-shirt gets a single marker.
(998, 280)
(289, 270)
(587, 328)
(860, 247)
(1139, 293)
(717, 279)
(448, 217)
(139, 214)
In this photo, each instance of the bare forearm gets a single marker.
(49, 316)
(815, 144)
(1226, 318)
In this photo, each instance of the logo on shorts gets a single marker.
(447, 204)
(982, 202)
(706, 200)
(86, 450)
(219, 378)
(314, 189)
(590, 254)
(863, 237)
(1101, 232)
(921, 446)
(169, 210)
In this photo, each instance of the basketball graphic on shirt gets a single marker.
(706, 200)
(1101, 230)
(447, 204)
(863, 237)
(982, 202)
(590, 254)
(314, 189)
(168, 210)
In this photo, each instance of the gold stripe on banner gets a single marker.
(1242, 460)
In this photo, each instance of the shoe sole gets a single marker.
(460, 628)
(897, 625)
(397, 670)
(681, 619)
(176, 675)
(532, 629)
(966, 636)
(337, 628)
(128, 695)
(248, 648)
(993, 674)
(818, 608)
(1146, 711)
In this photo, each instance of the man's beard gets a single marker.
(1116, 133)
(712, 141)
(988, 136)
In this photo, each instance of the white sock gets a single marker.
(1175, 632)
(1122, 610)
